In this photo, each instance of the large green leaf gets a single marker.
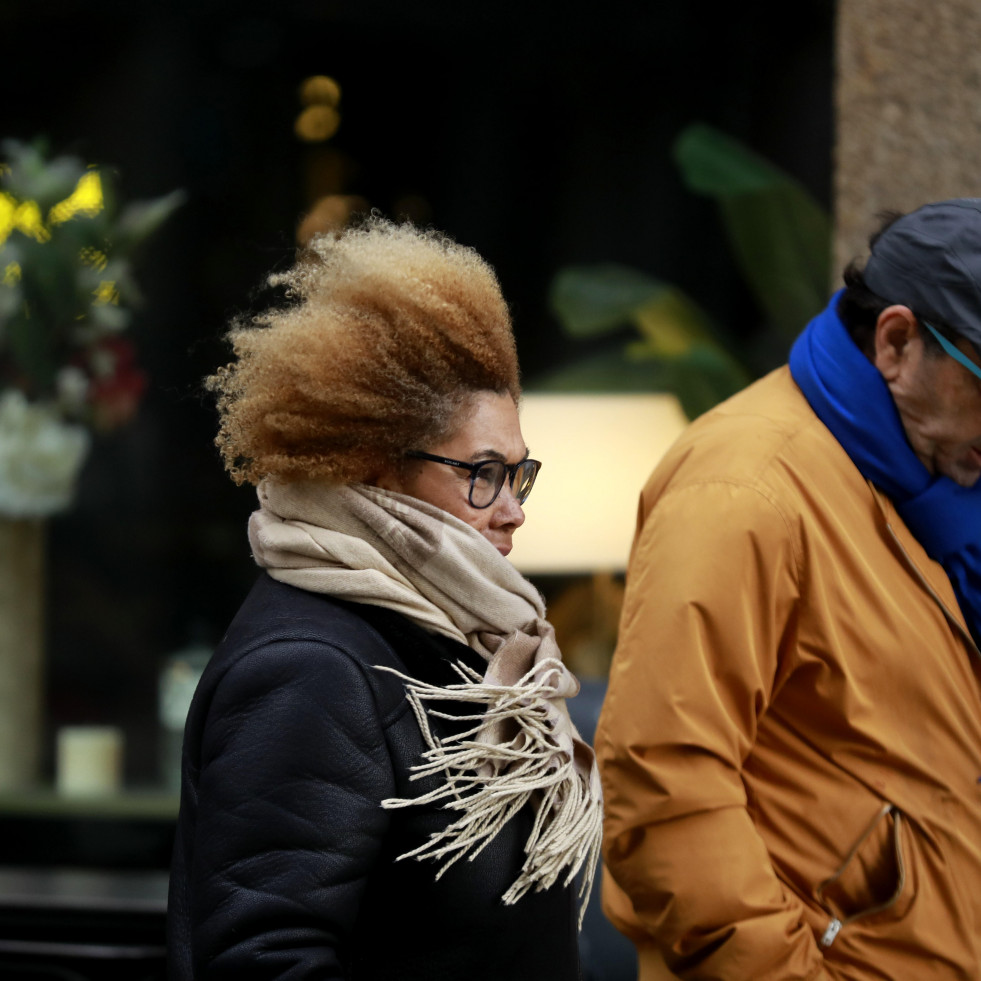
(781, 241)
(698, 385)
(607, 371)
(702, 377)
(591, 300)
(716, 165)
(672, 322)
(782, 246)
(32, 349)
(140, 219)
(780, 235)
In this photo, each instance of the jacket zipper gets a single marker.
(828, 937)
(835, 924)
(921, 578)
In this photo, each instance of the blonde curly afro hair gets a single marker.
(387, 333)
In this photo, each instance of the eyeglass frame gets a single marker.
(955, 352)
(510, 470)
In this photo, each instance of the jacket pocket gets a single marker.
(874, 878)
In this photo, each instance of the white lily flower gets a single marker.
(40, 457)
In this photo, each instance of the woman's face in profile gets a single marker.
(488, 430)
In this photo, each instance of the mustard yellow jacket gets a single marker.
(791, 743)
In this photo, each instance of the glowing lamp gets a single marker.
(597, 451)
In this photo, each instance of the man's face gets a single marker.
(938, 399)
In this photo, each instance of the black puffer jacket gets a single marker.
(285, 863)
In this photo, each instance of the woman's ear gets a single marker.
(897, 341)
(390, 479)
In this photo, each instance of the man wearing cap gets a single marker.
(791, 743)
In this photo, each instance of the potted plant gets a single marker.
(67, 370)
(780, 238)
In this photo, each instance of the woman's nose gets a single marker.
(507, 510)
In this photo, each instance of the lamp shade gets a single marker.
(597, 451)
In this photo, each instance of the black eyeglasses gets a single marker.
(487, 477)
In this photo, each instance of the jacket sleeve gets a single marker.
(293, 766)
(711, 592)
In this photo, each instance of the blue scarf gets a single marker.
(851, 398)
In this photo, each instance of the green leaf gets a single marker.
(120, 272)
(32, 350)
(608, 371)
(48, 279)
(592, 300)
(141, 219)
(32, 178)
(720, 374)
(782, 242)
(716, 165)
(695, 390)
(11, 301)
(701, 378)
(780, 236)
(675, 352)
(672, 322)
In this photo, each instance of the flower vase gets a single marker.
(21, 650)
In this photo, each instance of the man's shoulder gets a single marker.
(752, 438)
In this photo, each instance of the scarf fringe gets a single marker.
(489, 781)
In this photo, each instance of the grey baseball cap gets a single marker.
(930, 261)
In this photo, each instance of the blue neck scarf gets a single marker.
(851, 398)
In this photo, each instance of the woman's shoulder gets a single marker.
(281, 629)
(274, 609)
(287, 640)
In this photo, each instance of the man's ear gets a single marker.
(897, 341)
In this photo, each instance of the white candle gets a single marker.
(89, 760)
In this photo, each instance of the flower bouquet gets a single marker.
(67, 291)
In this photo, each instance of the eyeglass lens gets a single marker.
(489, 479)
(524, 480)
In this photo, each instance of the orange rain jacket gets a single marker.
(791, 743)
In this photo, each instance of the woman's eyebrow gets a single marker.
(494, 455)
(487, 455)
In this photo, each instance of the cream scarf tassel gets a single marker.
(366, 545)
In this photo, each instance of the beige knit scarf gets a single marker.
(366, 545)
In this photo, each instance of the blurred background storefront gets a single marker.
(543, 134)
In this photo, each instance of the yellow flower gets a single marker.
(24, 216)
(7, 208)
(27, 219)
(85, 200)
(12, 274)
(95, 258)
(106, 292)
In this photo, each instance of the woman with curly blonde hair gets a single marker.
(380, 778)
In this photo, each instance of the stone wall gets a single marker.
(908, 111)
